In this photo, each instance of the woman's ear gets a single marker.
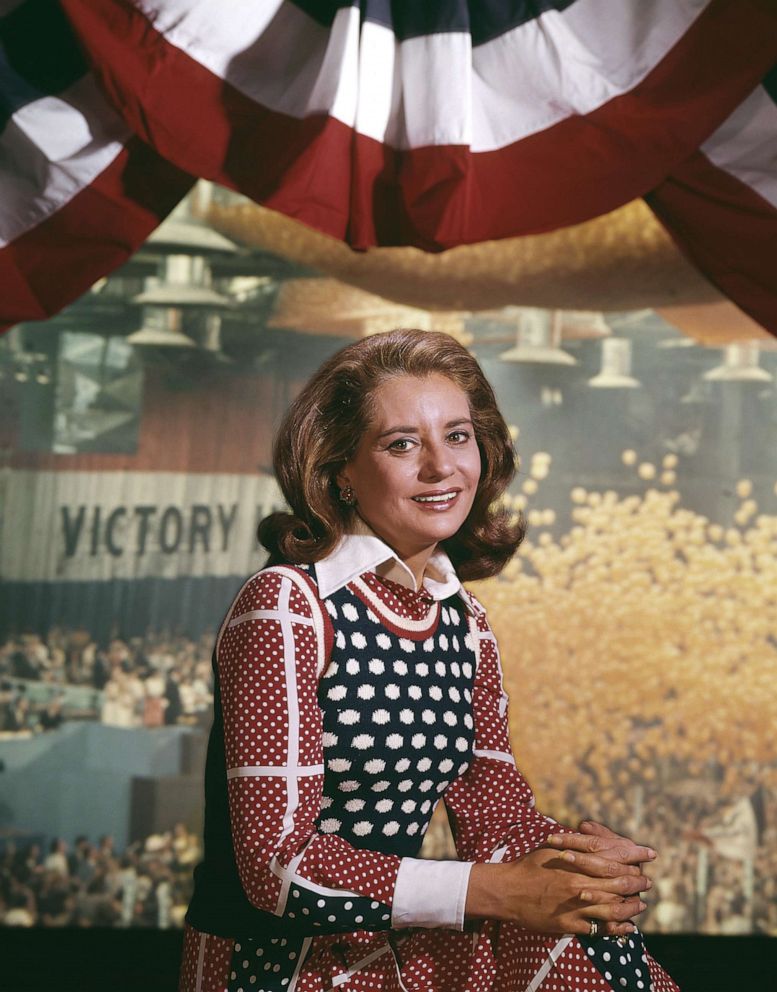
(341, 479)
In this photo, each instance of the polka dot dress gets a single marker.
(264, 964)
(398, 729)
(338, 726)
(622, 961)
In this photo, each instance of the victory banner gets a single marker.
(101, 526)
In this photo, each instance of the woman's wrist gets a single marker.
(485, 893)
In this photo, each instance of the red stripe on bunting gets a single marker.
(95, 232)
(726, 229)
(349, 186)
(302, 168)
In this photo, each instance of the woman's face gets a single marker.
(416, 469)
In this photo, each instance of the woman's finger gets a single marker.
(582, 927)
(615, 849)
(616, 912)
(623, 886)
(592, 827)
(601, 867)
(596, 896)
(577, 842)
(618, 929)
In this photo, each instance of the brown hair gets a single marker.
(322, 429)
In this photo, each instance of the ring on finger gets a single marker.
(593, 928)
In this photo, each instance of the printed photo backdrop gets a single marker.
(637, 623)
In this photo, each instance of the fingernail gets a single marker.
(555, 840)
(586, 896)
(652, 853)
(642, 906)
(630, 928)
(568, 856)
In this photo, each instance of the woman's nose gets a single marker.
(438, 462)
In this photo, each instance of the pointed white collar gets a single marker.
(362, 550)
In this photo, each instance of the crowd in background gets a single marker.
(150, 681)
(639, 652)
(699, 887)
(91, 885)
(149, 884)
(162, 679)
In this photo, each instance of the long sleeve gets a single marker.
(491, 807)
(272, 651)
(270, 656)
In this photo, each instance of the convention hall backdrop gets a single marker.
(637, 622)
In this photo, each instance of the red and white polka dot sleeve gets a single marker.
(491, 806)
(271, 652)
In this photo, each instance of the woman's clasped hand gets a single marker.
(593, 875)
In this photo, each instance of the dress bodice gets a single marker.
(396, 698)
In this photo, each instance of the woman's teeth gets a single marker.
(442, 498)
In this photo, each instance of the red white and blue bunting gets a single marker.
(386, 124)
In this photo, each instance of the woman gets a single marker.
(357, 684)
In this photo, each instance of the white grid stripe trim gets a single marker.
(303, 951)
(280, 771)
(270, 615)
(553, 955)
(200, 962)
(292, 770)
(474, 631)
(323, 890)
(292, 697)
(287, 876)
(290, 875)
(496, 755)
(357, 966)
(315, 607)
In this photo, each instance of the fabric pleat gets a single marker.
(380, 123)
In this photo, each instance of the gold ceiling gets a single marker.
(623, 260)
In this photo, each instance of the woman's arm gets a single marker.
(494, 819)
(271, 653)
(491, 805)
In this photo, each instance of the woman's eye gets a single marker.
(459, 437)
(401, 444)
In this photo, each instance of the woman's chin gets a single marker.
(437, 529)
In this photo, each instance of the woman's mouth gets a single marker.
(438, 500)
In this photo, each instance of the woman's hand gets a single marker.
(547, 893)
(596, 850)
(598, 841)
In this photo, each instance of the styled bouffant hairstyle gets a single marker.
(322, 429)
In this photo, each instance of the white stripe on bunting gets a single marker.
(745, 145)
(51, 149)
(434, 89)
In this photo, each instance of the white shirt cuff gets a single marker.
(430, 894)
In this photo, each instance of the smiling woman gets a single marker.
(414, 482)
(350, 429)
(358, 684)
